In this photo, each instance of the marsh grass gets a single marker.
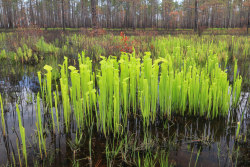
(56, 108)
(18, 152)
(2, 117)
(197, 157)
(22, 133)
(40, 130)
(236, 85)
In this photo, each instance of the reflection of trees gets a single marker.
(13, 79)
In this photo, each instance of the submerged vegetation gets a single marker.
(134, 108)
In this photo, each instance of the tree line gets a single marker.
(167, 14)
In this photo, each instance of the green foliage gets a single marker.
(41, 139)
(44, 47)
(144, 86)
(22, 133)
(2, 116)
(48, 91)
(236, 86)
(3, 54)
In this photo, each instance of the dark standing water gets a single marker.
(188, 140)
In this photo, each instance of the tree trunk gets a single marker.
(248, 20)
(31, 13)
(196, 16)
(63, 21)
(94, 15)
(228, 16)
(134, 15)
(108, 13)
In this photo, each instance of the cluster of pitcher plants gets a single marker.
(130, 87)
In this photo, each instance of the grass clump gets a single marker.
(148, 88)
